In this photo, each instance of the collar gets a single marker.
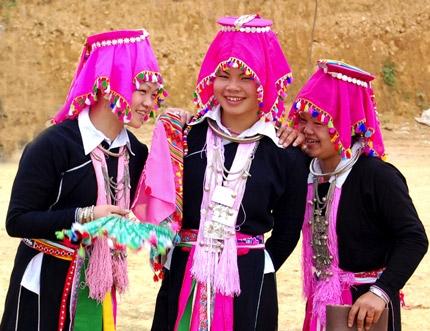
(260, 127)
(340, 180)
(91, 137)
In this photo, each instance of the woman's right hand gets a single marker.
(106, 210)
(289, 136)
(184, 115)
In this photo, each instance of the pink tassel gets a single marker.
(99, 272)
(227, 280)
(204, 263)
(119, 271)
(204, 260)
(330, 291)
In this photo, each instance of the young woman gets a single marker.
(84, 167)
(362, 238)
(238, 184)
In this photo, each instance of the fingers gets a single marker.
(300, 139)
(365, 318)
(119, 211)
(281, 130)
(377, 316)
(369, 320)
(184, 116)
(106, 210)
(288, 140)
(286, 136)
(352, 313)
(360, 319)
(366, 310)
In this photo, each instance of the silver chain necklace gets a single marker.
(322, 258)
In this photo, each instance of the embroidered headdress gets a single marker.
(246, 42)
(113, 64)
(341, 97)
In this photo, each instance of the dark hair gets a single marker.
(356, 138)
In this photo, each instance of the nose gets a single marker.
(307, 128)
(148, 101)
(233, 84)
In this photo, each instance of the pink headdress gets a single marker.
(340, 96)
(115, 64)
(246, 42)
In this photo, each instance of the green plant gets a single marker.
(7, 3)
(5, 6)
(389, 74)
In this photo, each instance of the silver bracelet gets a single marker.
(77, 213)
(380, 293)
(84, 215)
(92, 213)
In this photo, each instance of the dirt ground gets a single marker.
(40, 42)
(408, 147)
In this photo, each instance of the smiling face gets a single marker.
(317, 139)
(142, 103)
(236, 92)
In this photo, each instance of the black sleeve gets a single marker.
(35, 189)
(289, 210)
(401, 219)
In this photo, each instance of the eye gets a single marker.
(247, 78)
(222, 74)
(142, 91)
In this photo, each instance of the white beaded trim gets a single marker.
(120, 41)
(247, 29)
(348, 79)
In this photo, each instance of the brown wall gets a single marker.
(40, 42)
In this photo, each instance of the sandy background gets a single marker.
(408, 146)
(40, 43)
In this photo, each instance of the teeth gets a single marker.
(234, 99)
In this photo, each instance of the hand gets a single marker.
(368, 309)
(106, 210)
(288, 135)
(185, 116)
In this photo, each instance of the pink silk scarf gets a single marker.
(159, 192)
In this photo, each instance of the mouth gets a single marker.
(309, 141)
(143, 114)
(234, 100)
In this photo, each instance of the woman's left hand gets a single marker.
(288, 136)
(368, 309)
(185, 116)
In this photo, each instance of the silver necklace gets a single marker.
(219, 132)
(322, 258)
(337, 171)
